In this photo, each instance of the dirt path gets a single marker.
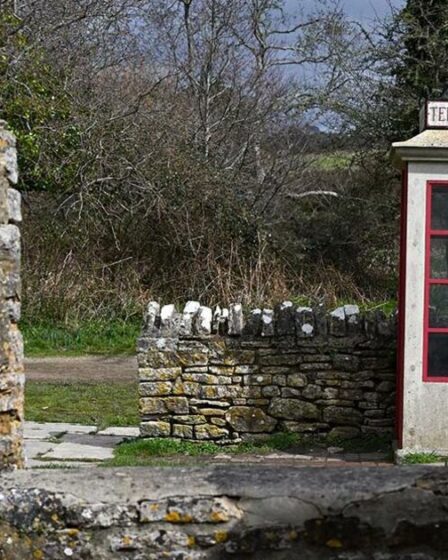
(85, 368)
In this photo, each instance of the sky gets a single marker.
(363, 10)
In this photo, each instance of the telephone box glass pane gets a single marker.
(439, 257)
(438, 306)
(439, 212)
(438, 355)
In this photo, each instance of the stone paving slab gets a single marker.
(120, 431)
(38, 430)
(95, 440)
(58, 444)
(34, 448)
(78, 452)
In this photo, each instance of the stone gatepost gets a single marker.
(12, 377)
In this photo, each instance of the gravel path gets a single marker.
(84, 368)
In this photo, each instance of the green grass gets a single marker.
(161, 452)
(94, 337)
(99, 404)
(421, 459)
(151, 452)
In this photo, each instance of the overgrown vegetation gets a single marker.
(177, 151)
(82, 403)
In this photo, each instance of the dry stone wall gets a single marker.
(227, 376)
(225, 512)
(11, 347)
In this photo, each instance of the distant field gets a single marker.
(96, 404)
(94, 337)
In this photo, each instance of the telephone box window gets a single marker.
(438, 355)
(439, 257)
(438, 306)
(439, 213)
(436, 285)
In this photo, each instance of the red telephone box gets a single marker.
(422, 396)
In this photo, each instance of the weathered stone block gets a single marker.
(159, 374)
(296, 380)
(236, 319)
(203, 378)
(258, 379)
(156, 389)
(203, 321)
(289, 392)
(208, 403)
(304, 427)
(344, 432)
(270, 391)
(279, 380)
(346, 362)
(342, 415)
(182, 431)
(221, 370)
(293, 409)
(305, 322)
(220, 392)
(187, 319)
(159, 405)
(267, 323)
(386, 387)
(212, 412)
(281, 360)
(190, 419)
(155, 429)
(285, 324)
(249, 419)
(208, 431)
(188, 388)
(188, 510)
(312, 392)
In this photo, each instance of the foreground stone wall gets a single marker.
(11, 347)
(223, 376)
(218, 513)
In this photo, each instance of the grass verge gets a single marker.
(161, 452)
(99, 404)
(93, 337)
(147, 452)
(422, 459)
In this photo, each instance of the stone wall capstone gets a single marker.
(224, 375)
(12, 378)
(224, 512)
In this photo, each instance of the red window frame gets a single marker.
(429, 281)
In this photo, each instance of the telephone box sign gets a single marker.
(434, 115)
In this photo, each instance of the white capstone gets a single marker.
(191, 307)
(267, 320)
(236, 319)
(167, 314)
(307, 329)
(14, 206)
(338, 313)
(204, 320)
